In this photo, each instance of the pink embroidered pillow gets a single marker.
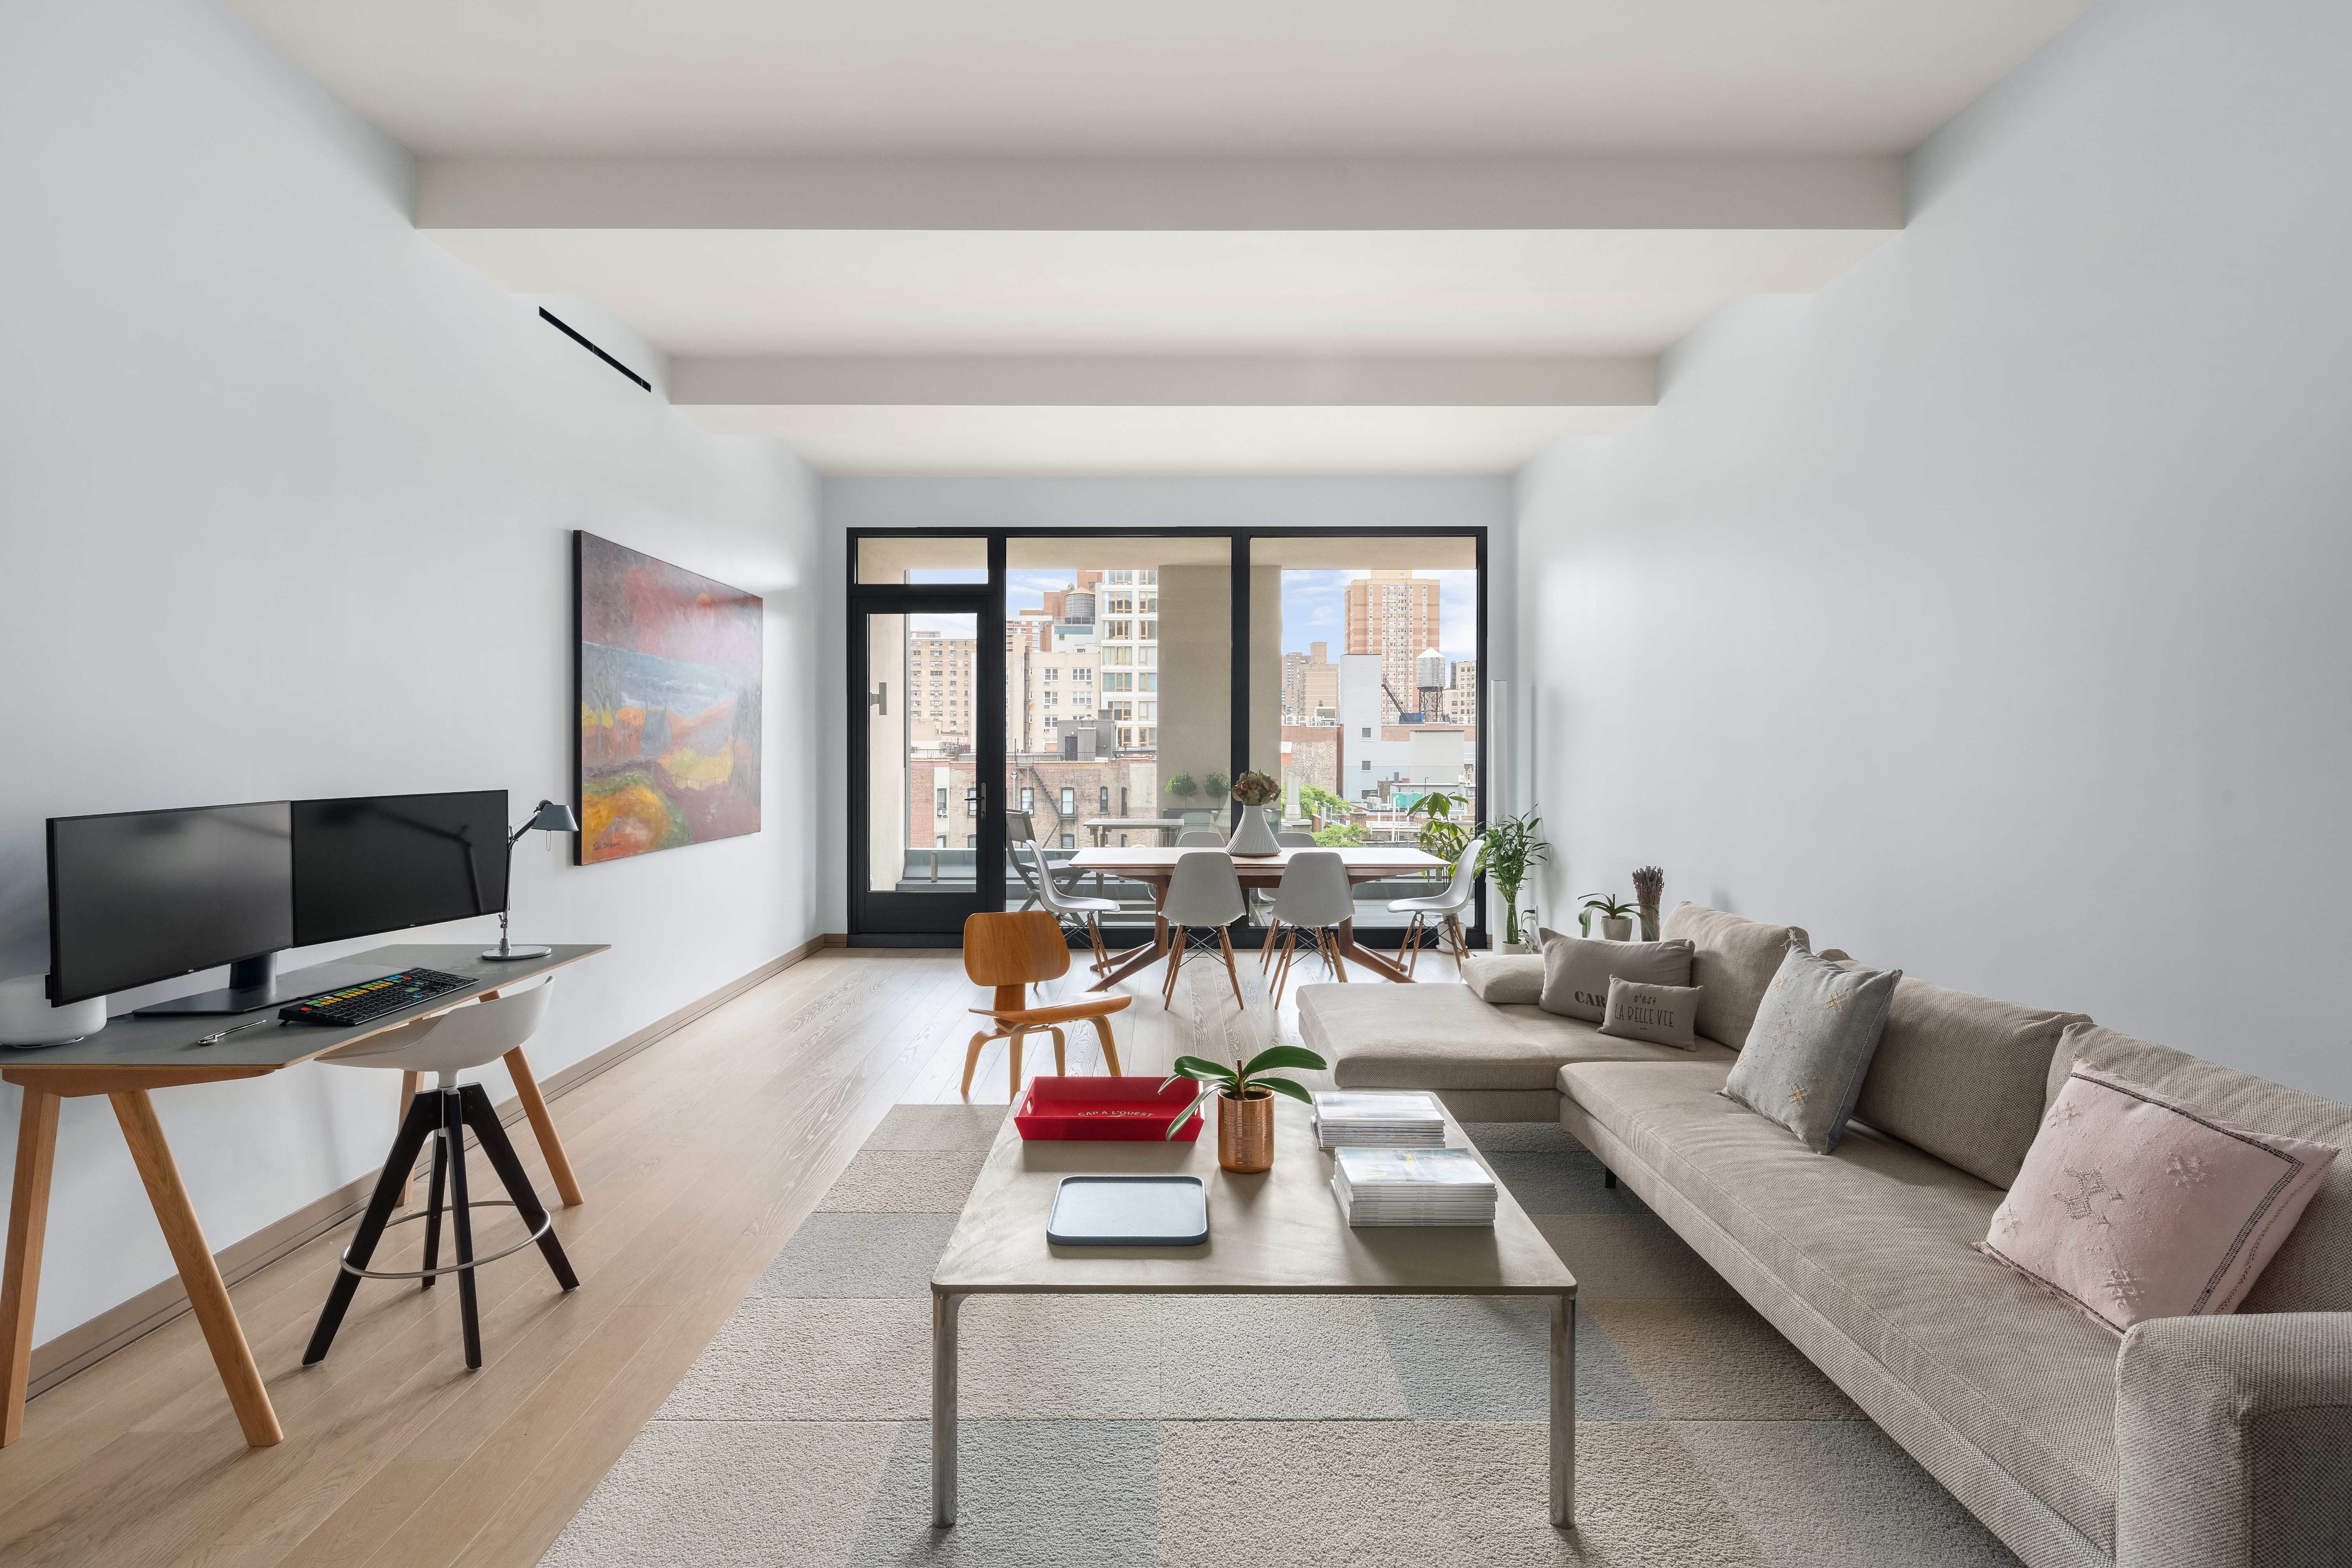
(2133, 1205)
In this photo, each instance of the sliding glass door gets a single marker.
(1081, 689)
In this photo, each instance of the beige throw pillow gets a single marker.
(1575, 972)
(1663, 1015)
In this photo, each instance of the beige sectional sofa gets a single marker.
(2203, 1443)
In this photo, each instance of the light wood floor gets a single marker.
(699, 1156)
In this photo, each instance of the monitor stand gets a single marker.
(255, 984)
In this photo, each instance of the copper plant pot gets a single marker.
(1246, 1132)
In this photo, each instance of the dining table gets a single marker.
(1154, 867)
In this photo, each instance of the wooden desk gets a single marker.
(1371, 864)
(133, 1055)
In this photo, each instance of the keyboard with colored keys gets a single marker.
(357, 1005)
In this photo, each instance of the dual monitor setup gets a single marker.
(142, 896)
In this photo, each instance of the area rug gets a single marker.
(1151, 1431)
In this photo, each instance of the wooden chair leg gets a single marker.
(1282, 969)
(1412, 951)
(1061, 1061)
(1109, 1046)
(1015, 1049)
(1225, 941)
(1331, 956)
(1461, 943)
(971, 1060)
(1094, 935)
(1175, 963)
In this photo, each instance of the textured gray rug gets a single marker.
(1395, 1430)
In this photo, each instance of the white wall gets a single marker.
(1985, 612)
(286, 496)
(1110, 504)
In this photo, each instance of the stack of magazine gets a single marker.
(1356, 1120)
(1412, 1186)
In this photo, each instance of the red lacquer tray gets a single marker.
(1104, 1108)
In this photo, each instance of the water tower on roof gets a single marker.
(1429, 676)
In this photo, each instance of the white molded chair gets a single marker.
(1446, 907)
(1314, 897)
(1203, 893)
(445, 1045)
(1071, 910)
(1199, 838)
(1295, 840)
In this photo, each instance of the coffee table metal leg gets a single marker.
(1563, 1412)
(943, 1408)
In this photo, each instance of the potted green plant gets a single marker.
(1187, 789)
(1244, 1099)
(1251, 834)
(1616, 919)
(1441, 835)
(1515, 846)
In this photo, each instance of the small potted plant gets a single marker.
(1514, 848)
(1616, 919)
(1244, 1101)
(1251, 834)
(1187, 789)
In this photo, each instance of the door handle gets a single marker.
(879, 699)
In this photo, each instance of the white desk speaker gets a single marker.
(27, 1019)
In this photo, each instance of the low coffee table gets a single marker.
(1276, 1234)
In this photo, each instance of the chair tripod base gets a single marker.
(444, 1115)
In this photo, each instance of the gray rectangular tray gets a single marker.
(1129, 1211)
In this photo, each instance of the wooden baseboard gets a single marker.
(835, 939)
(86, 1344)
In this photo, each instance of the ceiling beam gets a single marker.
(1165, 381)
(1097, 195)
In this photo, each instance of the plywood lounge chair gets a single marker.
(1013, 951)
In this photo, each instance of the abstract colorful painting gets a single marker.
(669, 704)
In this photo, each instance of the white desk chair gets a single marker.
(445, 1045)
(1199, 838)
(1314, 897)
(1202, 893)
(1072, 908)
(1295, 840)
(1446, 906)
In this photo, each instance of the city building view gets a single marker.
(1097, 751)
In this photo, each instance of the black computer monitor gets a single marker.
(141, 896)
(377, 863)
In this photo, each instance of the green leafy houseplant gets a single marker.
(1242, 1082)
(1216, 785)
(1256, 789)
(1514, 845)
(1606, 907)
(1441, 835)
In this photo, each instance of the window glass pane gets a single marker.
(919, 726)
(917, 558)
(1364, 688)
(1120, 733)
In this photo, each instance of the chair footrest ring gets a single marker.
(545, 1225)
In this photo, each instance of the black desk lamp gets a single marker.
(549, 818)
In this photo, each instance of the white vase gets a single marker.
(27, 1019)
(1617, 928)
(1252, 835)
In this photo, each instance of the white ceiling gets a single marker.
(902, 439)
(1522, 292)
(1246, 78)
(1110, 180)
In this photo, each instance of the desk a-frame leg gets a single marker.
(207, 1296)
(29, 1219)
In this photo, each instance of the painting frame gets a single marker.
(668, 676)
